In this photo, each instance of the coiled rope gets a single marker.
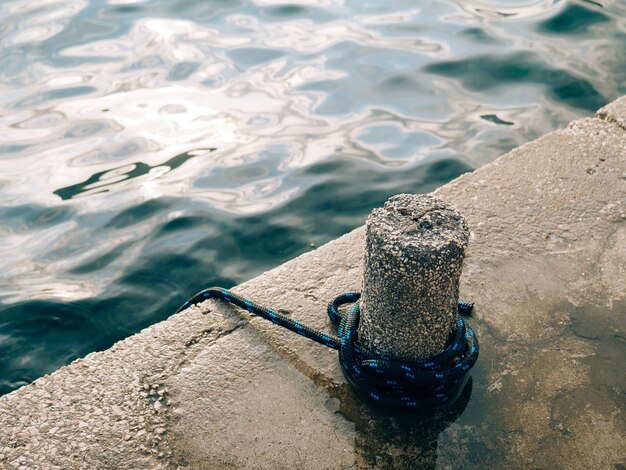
(433, 381)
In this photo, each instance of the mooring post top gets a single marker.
(415, 246)
(418, 221)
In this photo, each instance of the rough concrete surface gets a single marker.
(414, 250)
(614, 112)
(545, 267)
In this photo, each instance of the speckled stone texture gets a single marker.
(415, 247)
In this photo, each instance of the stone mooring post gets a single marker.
(414, 253)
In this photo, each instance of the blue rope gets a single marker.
(433, 381)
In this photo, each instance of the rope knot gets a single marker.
(431, 381)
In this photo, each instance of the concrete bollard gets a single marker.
(415, 247)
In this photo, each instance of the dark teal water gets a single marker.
(152, 148)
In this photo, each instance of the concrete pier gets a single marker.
(414, 250)
(545, 267)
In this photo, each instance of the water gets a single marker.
(152, 148)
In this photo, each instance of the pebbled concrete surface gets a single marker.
(614, 112)
(545, 267)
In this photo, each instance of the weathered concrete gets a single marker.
(545, 267)
(414, 250)
(615, 112)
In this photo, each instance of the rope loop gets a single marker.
(432, 381)
(427, 382)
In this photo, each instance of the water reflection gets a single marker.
(574, 19)
(309, 113)
(496, 120)
(517, 9)
(485, 72)
(103, 181)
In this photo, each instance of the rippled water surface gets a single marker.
(152, 148)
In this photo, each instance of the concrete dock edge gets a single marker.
(546, 268)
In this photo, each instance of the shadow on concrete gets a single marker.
(390, 439)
